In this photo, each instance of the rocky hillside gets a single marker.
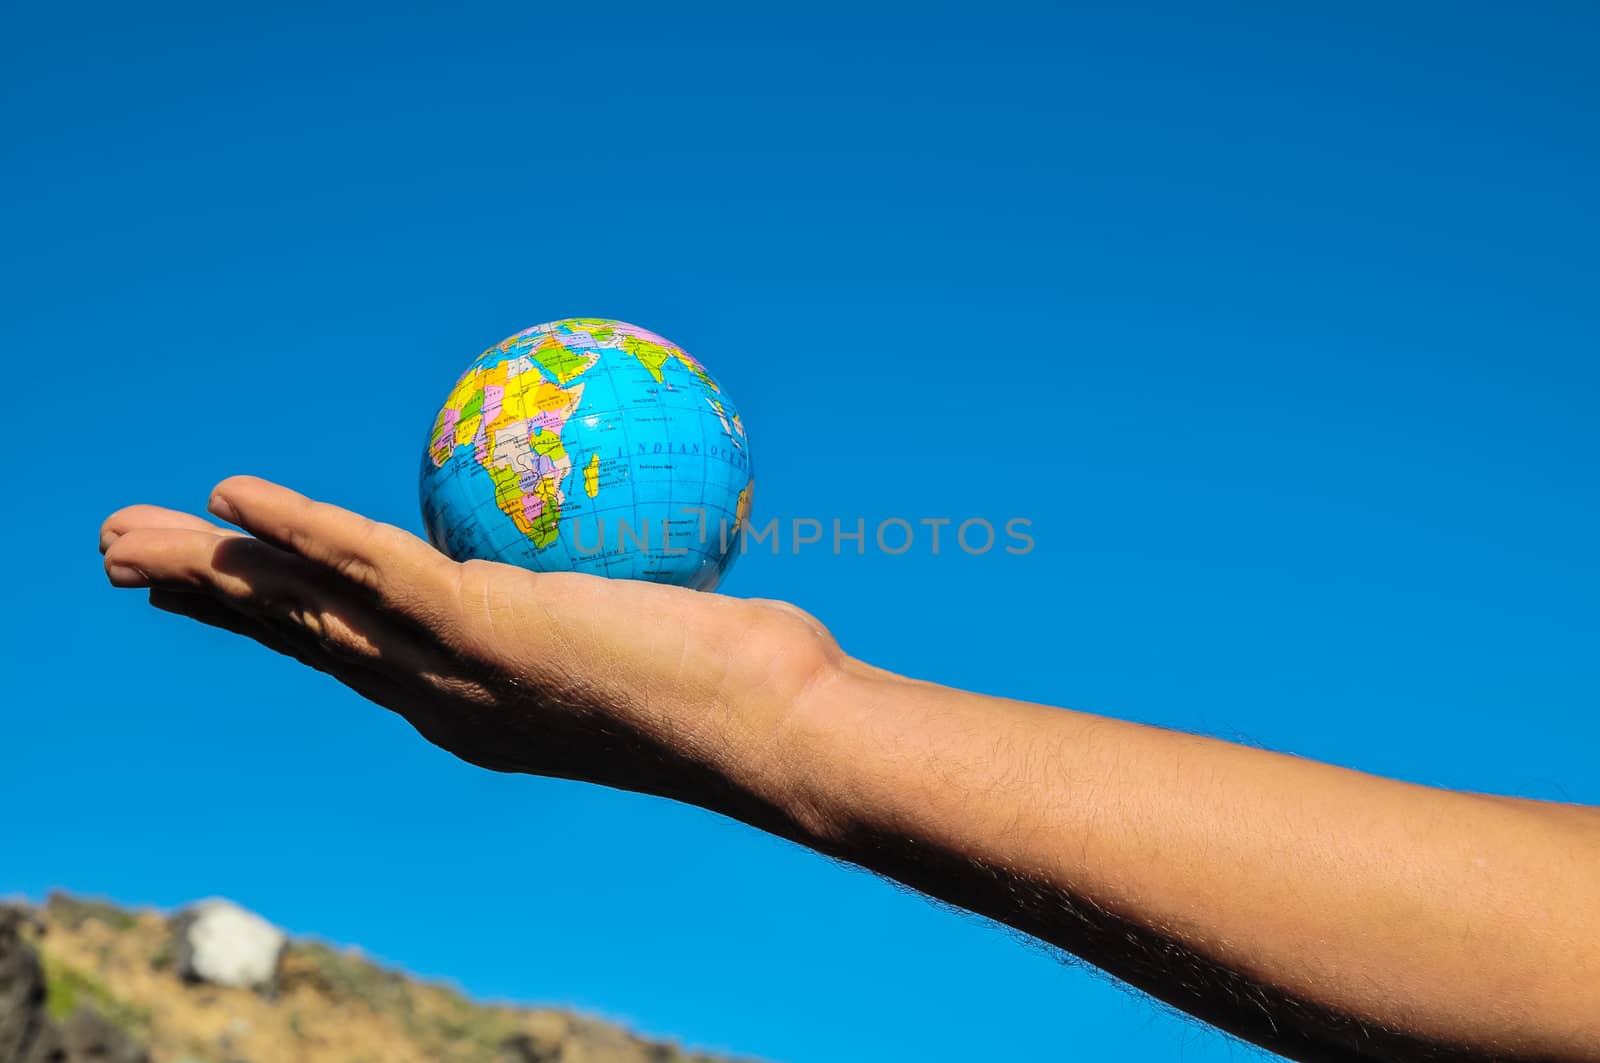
(84, 980)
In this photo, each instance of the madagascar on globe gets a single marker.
(589, 445)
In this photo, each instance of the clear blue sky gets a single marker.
(1279, 325)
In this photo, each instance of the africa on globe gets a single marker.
(589, 445)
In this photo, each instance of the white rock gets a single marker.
(219, 942)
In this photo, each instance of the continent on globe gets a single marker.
(589, 445)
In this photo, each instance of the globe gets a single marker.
(589, 445)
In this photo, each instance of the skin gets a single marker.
(1321, 912)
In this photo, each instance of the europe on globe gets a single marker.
(589, 445)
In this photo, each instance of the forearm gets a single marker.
(1326, 913)
(1299, 905)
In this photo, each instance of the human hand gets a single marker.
(631, 684)
(1321, 912)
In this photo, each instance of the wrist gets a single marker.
(819, 765)
(763, 753)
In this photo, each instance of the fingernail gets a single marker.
(221, 507)
(126, 576)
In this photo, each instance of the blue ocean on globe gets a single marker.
(589, 445)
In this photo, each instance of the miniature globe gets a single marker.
(589, 445)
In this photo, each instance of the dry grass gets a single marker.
(329, 1005)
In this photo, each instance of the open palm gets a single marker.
(558, 674)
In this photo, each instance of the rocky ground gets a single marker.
(85, 980)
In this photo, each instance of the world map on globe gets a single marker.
(589, 445)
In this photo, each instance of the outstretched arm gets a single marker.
(1323, 913)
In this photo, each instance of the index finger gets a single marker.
(128, 518)
(399, 568)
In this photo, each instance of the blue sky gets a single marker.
(1278, 324)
